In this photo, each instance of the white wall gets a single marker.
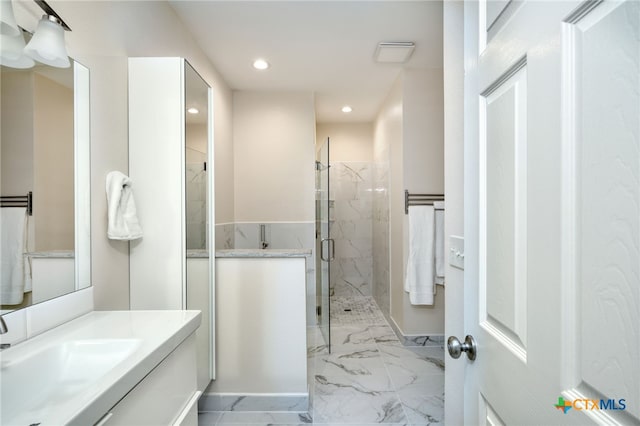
(274, 154)
(423, 172)
(423, 133)
(409, 128)
(349, 141)
(104, 35)
(17, 132)
(53, 163)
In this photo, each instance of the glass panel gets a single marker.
(196, 141)
(324, 245)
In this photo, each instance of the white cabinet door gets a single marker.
(552, 220)
(166, 396)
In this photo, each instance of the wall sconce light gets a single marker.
(12, 52)
(8, 24)
(47, 44)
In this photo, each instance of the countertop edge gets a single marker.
(266, 253)
(102, 403)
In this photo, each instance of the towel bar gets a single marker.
(18, 201)
(420, 200)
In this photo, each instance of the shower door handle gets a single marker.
(332, 244)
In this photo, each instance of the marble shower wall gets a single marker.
(352, 269)
(196, 178)
(381, 236)
(224, 236)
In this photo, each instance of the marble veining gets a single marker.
(351, 188)
(258, 253)
(224, 236)
(369, 378)
(55, 254)
(198, 253)
(196, 200)
(380, 232)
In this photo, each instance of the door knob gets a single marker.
(456, 348)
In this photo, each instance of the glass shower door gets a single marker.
(325, 248)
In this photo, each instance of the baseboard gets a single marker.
(254, 402)
(416, 339)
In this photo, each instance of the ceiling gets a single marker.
(325, 47)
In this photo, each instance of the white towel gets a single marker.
(419, 281)
(14, 228)
(123, 221)
(438, 206)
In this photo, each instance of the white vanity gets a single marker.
(106, 368)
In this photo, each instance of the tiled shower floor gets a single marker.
(369, 377)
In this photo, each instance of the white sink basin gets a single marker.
(74, 373)
(61, 370)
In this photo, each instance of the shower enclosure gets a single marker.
(325, 245)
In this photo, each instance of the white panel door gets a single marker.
(552, 220)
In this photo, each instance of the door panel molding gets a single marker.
(488, 415)
(601, 206)
(503, 207)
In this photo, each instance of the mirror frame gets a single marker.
(82, 175)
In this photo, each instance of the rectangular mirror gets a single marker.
(45, 157)
(196, 149)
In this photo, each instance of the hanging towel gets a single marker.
(14, 225)
(438, 206)
(123, 221)
(419, 281)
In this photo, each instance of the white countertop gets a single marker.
(259, 253)
(51, 254)
(38, 386)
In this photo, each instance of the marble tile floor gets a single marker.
(369, 378)
(355, 310)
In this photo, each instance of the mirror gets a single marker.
(44, 151)
(196, 143)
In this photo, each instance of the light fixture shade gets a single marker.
(12, 52)
(47, 44)
(8, 24)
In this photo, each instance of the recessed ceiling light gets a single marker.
(193, 110)
(347, 109)
(260, 64)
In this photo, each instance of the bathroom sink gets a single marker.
(58, 371)
(75, 373)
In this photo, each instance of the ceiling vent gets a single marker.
(397, 52)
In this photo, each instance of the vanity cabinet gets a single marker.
(168, 395)
(166, 143)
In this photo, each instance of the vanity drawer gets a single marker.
(165, 396)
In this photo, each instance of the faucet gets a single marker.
(3, 329)
(3, 326)
(263, 236)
